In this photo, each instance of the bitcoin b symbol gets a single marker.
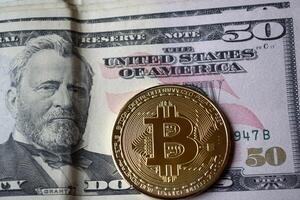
(172, 146)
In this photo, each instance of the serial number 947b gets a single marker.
(251, 135)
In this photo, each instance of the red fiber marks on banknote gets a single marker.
(218, 82)
(109, 73)
(238, 114)
(117, 100)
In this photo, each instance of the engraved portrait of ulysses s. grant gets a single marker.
(49, 98)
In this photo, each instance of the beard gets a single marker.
(58, 130)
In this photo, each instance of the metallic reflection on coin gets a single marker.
(170, 142)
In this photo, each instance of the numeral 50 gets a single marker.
(262, 31)
(274, 156)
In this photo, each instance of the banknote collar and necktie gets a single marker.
(53, 160)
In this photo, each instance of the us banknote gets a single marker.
(64, 81)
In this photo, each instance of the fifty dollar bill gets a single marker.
(246, 65)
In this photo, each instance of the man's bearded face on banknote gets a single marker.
(52, 100)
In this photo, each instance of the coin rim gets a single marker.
(219, 172)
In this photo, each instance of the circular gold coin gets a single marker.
(170, 142)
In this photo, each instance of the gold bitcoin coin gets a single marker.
(170, 142)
